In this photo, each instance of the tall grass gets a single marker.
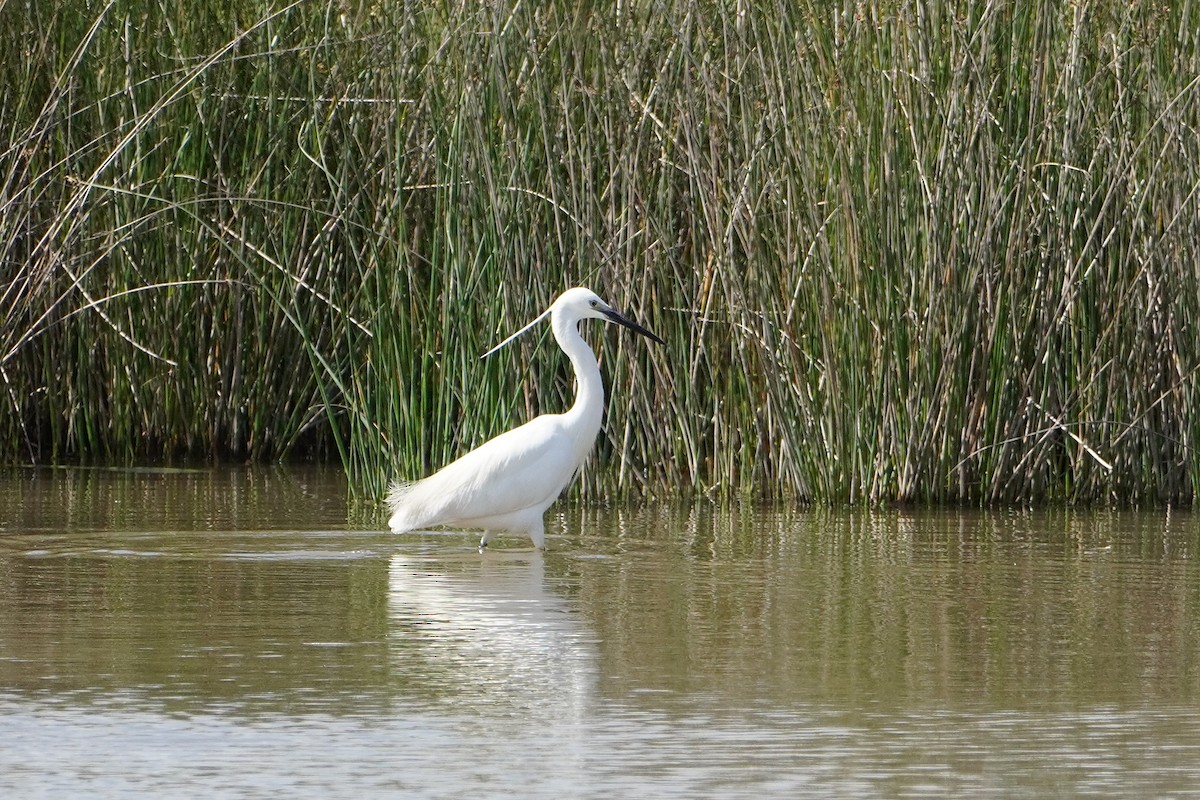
(899, 250)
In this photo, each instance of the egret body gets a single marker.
(507, 483)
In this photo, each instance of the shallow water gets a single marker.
(231, 634)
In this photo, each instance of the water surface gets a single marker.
(230, 633)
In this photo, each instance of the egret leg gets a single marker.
(538, 534)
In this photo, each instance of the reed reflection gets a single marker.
(894, 607)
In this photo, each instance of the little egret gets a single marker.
(507, 483)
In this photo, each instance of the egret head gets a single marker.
(583, 303)
(580, 303)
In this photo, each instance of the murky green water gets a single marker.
(229, 634)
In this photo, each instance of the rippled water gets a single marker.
(233, 634)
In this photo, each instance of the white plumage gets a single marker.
(507, 483)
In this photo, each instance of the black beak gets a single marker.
(628, 323)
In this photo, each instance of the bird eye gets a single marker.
(592, 303)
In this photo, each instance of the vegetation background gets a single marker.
(928, 251)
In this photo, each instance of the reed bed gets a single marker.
(900, 251)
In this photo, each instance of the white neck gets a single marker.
(589, 389)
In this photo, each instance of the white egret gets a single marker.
(507, 483)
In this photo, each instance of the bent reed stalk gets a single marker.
(900, 251)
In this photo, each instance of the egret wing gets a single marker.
(519, 469)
